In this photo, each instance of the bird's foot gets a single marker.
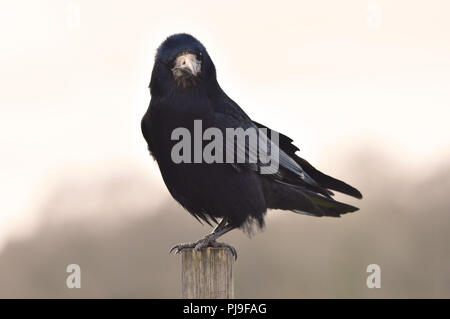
(207, 241)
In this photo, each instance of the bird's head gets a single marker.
(181, 61)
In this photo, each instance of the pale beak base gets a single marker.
(186, 64)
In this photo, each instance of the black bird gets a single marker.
(183, 89)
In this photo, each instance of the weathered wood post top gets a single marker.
(207, 273)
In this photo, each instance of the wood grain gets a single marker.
(207, 274)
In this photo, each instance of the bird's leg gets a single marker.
(220, 225)
(209, 240)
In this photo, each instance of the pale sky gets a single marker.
(333, 75)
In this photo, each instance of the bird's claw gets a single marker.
(203, 243)
(178, 248)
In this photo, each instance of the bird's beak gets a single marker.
(186, 64)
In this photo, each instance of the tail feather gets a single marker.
(330, 207)
(301, 200)
(327, 181)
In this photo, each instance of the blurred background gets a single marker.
(363, 87)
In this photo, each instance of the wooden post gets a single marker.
(207, 274)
